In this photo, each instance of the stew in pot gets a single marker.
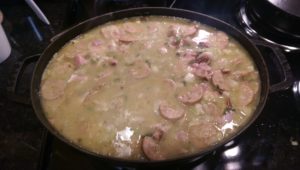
(150, 87)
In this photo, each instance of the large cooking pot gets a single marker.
(87, 25)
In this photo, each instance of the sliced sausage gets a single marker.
(204, 57)
(203, 135)
(97, 43)
(152, 28)
(52, 89)
(185, 59)
(219, 81)
(177, 30)
(169, 113)
(202, 70)
(162, 126)
(211, 95)
(79, 60)
(192, 96)
(246, 95)
(174, 31)
(130, 27)
(157, 134)
(112, 45)
(189, 54)
(140, 70)
(182, 136)
(111, 32)
(173, 42)
(188, 41)
(212, 109)
(126, 38)
(150, 148)
(118, 34)
(189, 30)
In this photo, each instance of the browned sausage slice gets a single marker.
(152, 28)
(169, 113)
(127, 38)
(97, 43)
(130, 27)
(246, 95)
(204, 57)
(218, 80)
(203, 135)
(202, 70)
(177, 30)
(151, 148)
(52, 89)
(111, 32)
(192, 96)
(174, 31)
(189, 30)
(189, 54)
(182, 136)
(157, 134)
(212, 109)
(79, 60)
(140, 70)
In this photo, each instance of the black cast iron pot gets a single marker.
(69, 34)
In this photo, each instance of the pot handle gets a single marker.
(285, 69)
(18, 69)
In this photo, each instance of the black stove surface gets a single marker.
(271, 142)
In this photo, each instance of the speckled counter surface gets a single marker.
(20, 130)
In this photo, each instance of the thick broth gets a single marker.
(150, 88)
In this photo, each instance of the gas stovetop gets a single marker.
(271, 142)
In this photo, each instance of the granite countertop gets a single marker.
(20, 130)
